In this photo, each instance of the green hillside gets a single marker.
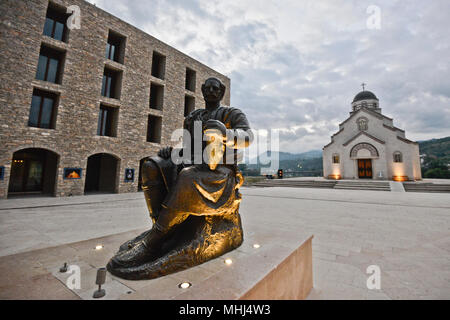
(436, 158)
(436, 148)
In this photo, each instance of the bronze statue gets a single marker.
(194, 205)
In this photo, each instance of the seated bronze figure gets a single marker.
(194, 206)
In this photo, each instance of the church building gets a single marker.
(369, 146)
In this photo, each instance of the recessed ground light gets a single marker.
(256, 246)
(228, 261)
(98, 247)
(184, 285)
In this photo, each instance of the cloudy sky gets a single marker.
(295, 65)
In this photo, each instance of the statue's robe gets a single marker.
(195, 189)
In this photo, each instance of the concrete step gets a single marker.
(295, 184)
(427, 187)
(362, 188)
(364, 185)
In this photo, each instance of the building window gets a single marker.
(156, 96)
(43, 110)
(107, 121)
(398, 158)
(158, 65)
(50, 65)
(364, 104)
(190, 79)
(336, 158)
(115, 47)
(363, 124)
(111, 83)
(154, 129)
(189, 105)
(55, 23)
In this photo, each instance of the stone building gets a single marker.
(80, 108)
(369, 146)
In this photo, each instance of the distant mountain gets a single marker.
(282, 156)
(435, 163)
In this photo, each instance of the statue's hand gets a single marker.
(216, 124)
(165, 153)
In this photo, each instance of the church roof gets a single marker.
(407, 140)
(365, 134)
(365, 109)
(365, 95)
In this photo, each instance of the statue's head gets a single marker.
(213, 90)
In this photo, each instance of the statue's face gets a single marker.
(212, 91)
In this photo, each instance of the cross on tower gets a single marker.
(363, 86)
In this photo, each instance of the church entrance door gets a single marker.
(365, 168)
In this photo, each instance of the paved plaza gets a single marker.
(406, 234)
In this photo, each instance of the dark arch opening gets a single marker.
(101, 174)
(33, 172)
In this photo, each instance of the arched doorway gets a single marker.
(33, 172)
(364, 153)
(101, 173)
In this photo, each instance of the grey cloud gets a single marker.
(306, 74)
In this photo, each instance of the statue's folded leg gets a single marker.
(186, 197)
(165, 219)
(155, 174)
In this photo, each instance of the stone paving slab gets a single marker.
(406, 235)
(39, 275)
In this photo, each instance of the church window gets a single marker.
(364, 104)
(336, 158)
(398, 158)
(363, 124)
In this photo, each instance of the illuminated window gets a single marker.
(398, 158)
(336, 158)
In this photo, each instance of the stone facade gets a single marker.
(369, 135)
(75, 138)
